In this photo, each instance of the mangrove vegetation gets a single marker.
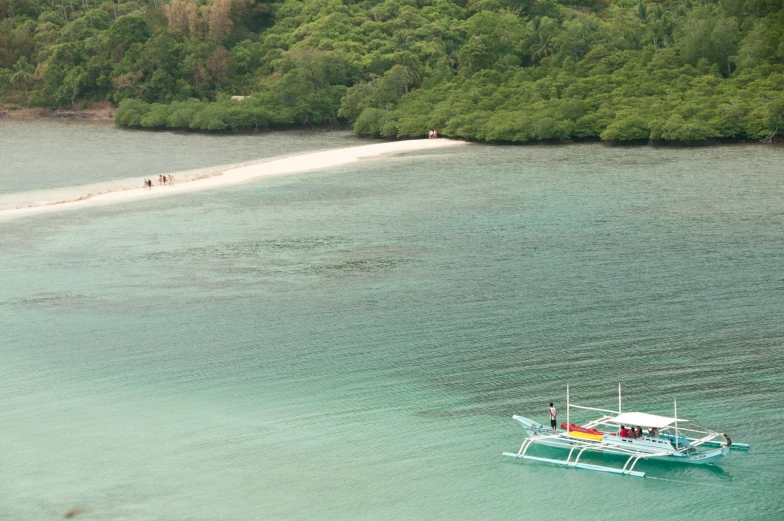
(624, 71)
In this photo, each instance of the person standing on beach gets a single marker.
(160, 180)
(429, 134)
(164, 180)
(553, 415)
(149, 183)
(171, 180)
(435, 134)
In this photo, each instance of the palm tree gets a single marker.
(542, 46)
(22, 74)
(661, 29)
(411, 63)
(536, 23)
(451, 54)
(636, 37)
(402, 40)
(642, 11)
(541, 42)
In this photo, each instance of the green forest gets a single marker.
(516, 71)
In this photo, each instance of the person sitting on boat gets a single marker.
(638, 432)
(553, 413)
(652, 432)
(633, 433)
(624, 432)
(728, 441)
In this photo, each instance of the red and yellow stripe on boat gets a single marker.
(586, 436)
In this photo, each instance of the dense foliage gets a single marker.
(495, 70)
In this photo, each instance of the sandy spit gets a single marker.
(288, 165)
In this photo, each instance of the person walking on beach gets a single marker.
(553, 414)
(149, 184)
(435, 134)
(160, 180)
(164, 180)
(429, 134)
(171, 180)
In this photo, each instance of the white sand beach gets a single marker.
(234, 175)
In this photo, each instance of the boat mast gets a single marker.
(567, 409)
(676, 422)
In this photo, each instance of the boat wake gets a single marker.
(697, 483)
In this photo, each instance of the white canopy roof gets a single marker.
(643, 419)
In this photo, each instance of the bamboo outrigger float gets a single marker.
(665, 440)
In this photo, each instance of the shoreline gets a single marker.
(106, 113)
(232, 175)
(100, 112)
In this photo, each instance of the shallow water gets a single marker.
(352, 343)
(44, 162)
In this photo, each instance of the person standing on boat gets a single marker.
(553, 414)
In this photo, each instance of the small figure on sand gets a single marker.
(171, 180)
(430, 134)
(149, 183)
(435, 134)
(164, 180)
(160, 180)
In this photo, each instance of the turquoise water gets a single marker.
(352, 343)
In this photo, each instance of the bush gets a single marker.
(156, 117)
(130, 113)
(370, 122)
(211, 117)
(627, 129)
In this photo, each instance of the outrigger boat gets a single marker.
(665, 440)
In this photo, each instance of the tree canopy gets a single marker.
(625, 71)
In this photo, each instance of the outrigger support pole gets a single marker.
(633, 460)
(567, 410)
(675, 405)
(619, 398)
